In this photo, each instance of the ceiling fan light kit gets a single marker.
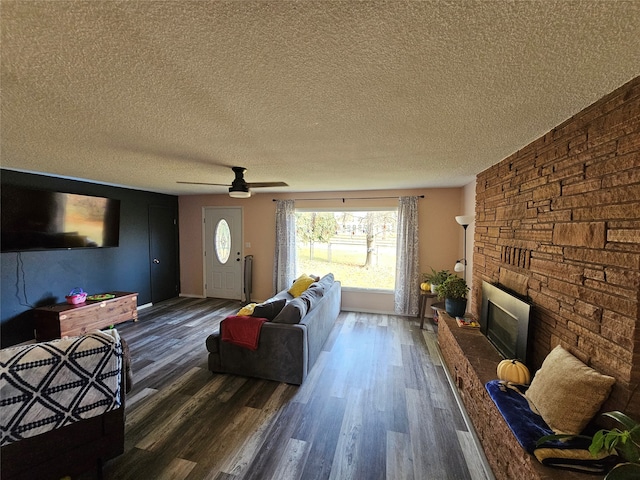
(239, 193)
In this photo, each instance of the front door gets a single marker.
(163, 239)
(223, 252)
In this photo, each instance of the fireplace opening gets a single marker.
(505, 322)
(502, 330)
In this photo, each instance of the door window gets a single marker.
(222, 241)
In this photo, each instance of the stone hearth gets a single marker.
(472, 361)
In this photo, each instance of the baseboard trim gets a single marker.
(364, 310)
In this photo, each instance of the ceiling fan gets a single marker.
(240, 188)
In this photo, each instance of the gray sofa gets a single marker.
(290, 344)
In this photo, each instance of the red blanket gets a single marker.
(242, 331)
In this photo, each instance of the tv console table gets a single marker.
(62, 319)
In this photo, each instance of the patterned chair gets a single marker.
(62, 406)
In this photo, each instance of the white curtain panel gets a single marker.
(284, 272)
(407, 269)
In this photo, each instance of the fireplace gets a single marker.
(505, 322)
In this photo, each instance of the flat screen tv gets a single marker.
(41, 220)
(505, 322)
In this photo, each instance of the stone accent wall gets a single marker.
(559, 222)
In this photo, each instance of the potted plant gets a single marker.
(454, 291)
(436, 278)
(624, 443)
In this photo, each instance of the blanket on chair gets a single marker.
(52, 384)
(242, 330)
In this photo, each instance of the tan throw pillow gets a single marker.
(567, 393)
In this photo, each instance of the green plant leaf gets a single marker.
(597, 442)
(627, 442)
(624, 471)
(611, 439)
(620, 417)
(437, 278)
(628, 451)
(452, 287)
(634, 433)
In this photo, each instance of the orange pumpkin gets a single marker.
(514, 371)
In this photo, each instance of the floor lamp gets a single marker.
(461, 265)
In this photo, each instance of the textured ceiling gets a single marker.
(324, 95)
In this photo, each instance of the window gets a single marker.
(359, 247)
(222, 241)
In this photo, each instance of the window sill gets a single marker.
(367, 290)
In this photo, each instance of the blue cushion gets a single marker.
(526, 425)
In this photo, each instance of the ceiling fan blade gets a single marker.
(204, 183)
(266, 184)
(239, 184)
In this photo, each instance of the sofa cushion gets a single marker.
(292, 312)
(301, 284)
(318, 286)
(281, 295)
(327, 280)
(313, 295)
(567, 393)
(269, 309)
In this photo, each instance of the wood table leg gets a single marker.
(422, 309)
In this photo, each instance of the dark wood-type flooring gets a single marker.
(377, 405)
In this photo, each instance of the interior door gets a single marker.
(163, 252)
(223, 252)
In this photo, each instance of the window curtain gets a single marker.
(284, 272)
(407, 269)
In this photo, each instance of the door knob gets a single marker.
(155, 260)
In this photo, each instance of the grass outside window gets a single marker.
(359, 248)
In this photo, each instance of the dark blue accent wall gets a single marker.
(40, 278)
